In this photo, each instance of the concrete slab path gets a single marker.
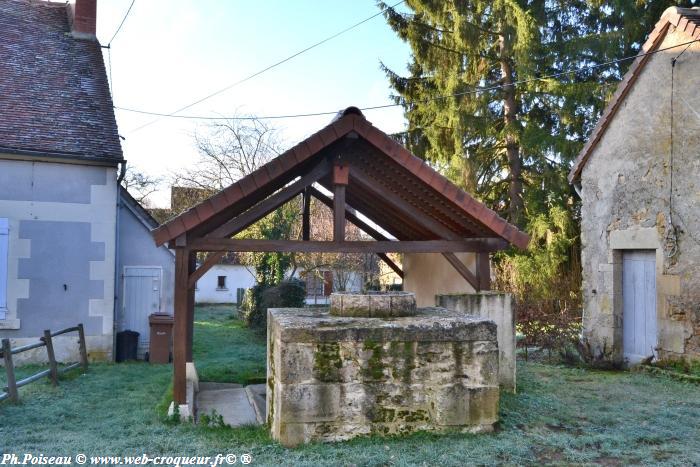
(233, 404)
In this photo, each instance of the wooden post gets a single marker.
(181, 318)
(10, 370)
(53, 368)
(306, 216)
(483, 268)
(83, 347)
(340, 180)
(192, 266)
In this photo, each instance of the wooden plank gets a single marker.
(483, 268)
(53, 367)
(422, 246)
(462, 269)
(338, 213)
(306, 215)
(271, 203)
(395, 267)
(10, 370)
(82, 347)
(180, 326)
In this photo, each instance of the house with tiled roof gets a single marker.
(639, 181)
(74, 247)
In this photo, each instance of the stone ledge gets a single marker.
(313, 325)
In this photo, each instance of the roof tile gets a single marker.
(54, 93)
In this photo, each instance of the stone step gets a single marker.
(232, 404)
(257, 396)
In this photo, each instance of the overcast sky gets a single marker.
(170, 53)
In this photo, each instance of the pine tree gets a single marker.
(511, 144)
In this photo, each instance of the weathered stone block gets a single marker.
(373, 305)
(333, 378)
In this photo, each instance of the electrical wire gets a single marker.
(267, 68)
(475, 90)
(119, 28)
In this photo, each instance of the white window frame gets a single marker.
(4, 258)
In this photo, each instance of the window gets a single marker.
(221, 283)
(4, 241)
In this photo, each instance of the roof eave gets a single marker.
(671, 17)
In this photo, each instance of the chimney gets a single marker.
(82, 16)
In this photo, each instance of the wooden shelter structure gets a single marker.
(367, 172)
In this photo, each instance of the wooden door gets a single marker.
(639, 323)
(141, 298)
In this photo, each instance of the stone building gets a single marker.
(639, 180)
(74, 246)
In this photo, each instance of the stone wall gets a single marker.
(430, 274)
(497, 307)
(627, 196)
(333, 378)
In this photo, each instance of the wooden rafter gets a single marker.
(271, 203)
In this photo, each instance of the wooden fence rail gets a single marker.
(6, 353)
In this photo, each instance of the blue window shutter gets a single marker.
(4, 251)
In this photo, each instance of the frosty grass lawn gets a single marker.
(559, 416)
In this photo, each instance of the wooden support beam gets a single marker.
(340, 181)
(190, 307)
(483, 268)
(339, 213)
(351, 215)
(181, 306)
(211, 260)
(306, 215)
(462, 269)
(423, 246)
(271, 203)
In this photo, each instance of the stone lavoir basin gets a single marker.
(376, 364)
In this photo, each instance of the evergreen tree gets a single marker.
(511, 144)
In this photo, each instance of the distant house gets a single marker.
(225, 282)
(68, 234)
(639, 181)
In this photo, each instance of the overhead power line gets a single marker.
(475, 90)
(267, 68)
(119, 28)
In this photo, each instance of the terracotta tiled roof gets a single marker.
(685, 20)
(54, 93)
(403, 172)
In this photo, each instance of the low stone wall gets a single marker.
(497, 307)
(333, 378)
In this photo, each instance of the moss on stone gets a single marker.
(383, 415)
(327, 362)
(375, 366)
(413, 416)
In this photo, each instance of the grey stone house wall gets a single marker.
(61, 253)
(626, 204)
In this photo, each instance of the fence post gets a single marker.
(83, 348)
(10, 369)
(52, 357)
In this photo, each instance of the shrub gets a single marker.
(290, 293)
